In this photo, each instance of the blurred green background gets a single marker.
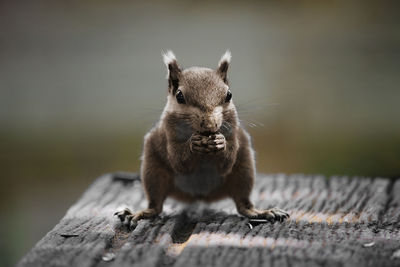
(316, 83)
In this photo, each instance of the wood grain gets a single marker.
(337, 221)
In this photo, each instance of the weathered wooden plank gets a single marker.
(338, 221)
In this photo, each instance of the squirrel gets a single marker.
(198, 150)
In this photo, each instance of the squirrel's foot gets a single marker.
(130, 219)
(126, 216)
(272, 215)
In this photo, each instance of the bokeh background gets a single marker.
(316, 84)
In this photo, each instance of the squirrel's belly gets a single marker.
(202, 181)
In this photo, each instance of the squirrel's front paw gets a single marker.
(207, 144)
(217, 142)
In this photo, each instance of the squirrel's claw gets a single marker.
(125, 215)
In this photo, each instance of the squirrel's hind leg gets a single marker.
(157, 182)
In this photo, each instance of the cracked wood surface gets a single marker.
(334, 222)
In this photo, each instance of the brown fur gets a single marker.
(202, 136)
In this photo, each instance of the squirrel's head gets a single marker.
(200, 97)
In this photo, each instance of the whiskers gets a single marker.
(251, 123)
(252, 109)
(254, 106)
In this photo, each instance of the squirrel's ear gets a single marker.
(223, 65)
(173, 71)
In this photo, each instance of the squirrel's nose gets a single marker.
(209, 126)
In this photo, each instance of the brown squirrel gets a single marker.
(198, 150)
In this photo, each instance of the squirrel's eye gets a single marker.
(228, 96)
(179, 97)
